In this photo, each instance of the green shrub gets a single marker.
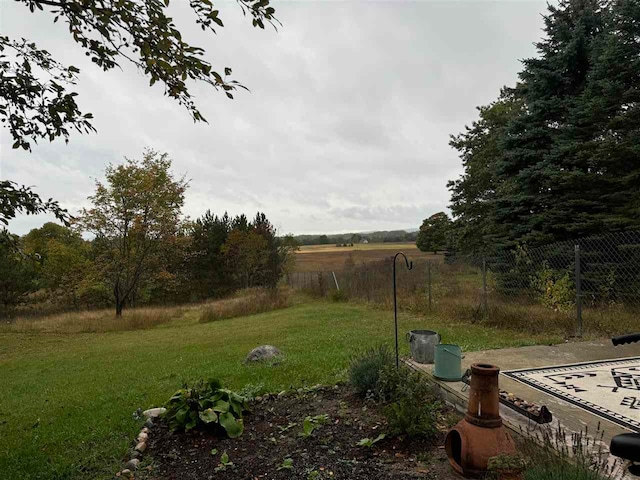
(410, 404)
(507, 462)
(412, 407)
(555, 454)
(338, 296)
(391, 382)
(408, 417)
(206, 405)
(395, 383)
(364, 369)
(556, 290)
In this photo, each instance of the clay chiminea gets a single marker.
(480, 435)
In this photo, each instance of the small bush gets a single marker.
(364, 369)
(206, 405)
(507, 463)
(249, 302)
(391, 382)
(412, 407)
(395, 383)
(555, 290)
(338, 296)
(556, 454)
(408, 417)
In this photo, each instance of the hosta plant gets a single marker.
(207, 405)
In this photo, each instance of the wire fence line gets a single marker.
(595, 272)
(571, 279)
(319, 283)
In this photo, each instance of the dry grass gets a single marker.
(327, 258)
(96, 321)
(456, 294)
(246, 302)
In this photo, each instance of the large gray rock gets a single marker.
(154, 412)
(262, 353)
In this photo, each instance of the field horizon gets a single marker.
(326, 258)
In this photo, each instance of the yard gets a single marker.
(68, 399)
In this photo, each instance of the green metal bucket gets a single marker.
(448, 362)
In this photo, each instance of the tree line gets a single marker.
(383, 236)
(556, 156)
(37, 101)
(141, 249)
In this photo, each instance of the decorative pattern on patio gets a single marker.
(609, 388)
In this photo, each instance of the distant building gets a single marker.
(364, 240)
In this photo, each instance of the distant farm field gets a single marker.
(324, 258)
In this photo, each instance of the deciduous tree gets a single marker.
(36, 241)
(288, 246)
(15, 199)
(35, 101)
(136, 210)
(433, 232)
(18, 276)
(63, 261)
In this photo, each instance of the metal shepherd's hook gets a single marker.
(395, 300)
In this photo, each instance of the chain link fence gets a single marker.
(591, 283)
(588, 275)
(316, 283)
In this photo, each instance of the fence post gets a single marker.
(335, 280)
(484, 285)
(321, 284)
(578, 281)
(429, 281)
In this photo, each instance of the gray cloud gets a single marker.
(346, 126)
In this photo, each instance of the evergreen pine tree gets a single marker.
(473, 194)
(606, 122)
(543, 193)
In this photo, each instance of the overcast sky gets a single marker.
(346, 127)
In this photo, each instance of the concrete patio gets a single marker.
(570, 417)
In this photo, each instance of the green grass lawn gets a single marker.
(67, 400)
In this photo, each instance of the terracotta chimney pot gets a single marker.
(480, 435)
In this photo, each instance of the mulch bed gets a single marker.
(272, 434)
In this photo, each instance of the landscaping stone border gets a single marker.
(135, 456)
(141, 443)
